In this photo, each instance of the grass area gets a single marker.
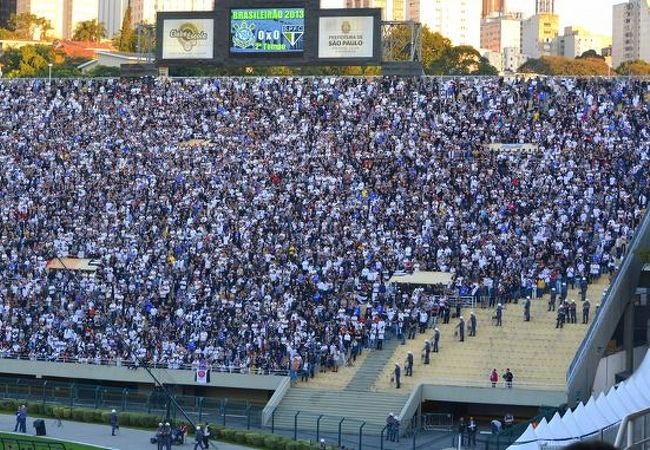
(15, 441)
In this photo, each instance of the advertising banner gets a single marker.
(267, 30)
(346, 37)
(188, 39)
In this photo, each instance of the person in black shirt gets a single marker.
(508, 377)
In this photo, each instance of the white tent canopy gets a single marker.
(602, 412)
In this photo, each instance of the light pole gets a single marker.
(49, 75)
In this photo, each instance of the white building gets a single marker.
(64, 15)
(513, 59)
(500, 32)
(631, 32)
(390, 9)
(111, 14)
(538, 33)
(145, 10)
(457, 20)
(52, 10)
(577, 40)
(494, 58)
(332, 4)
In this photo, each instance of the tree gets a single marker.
(125, 40)
(557, 65)
(89, 30)
(27, 61)
(433, 46)
(461, 60)
(590, 54)
(26, 26)
(637, 67)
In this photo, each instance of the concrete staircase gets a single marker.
(375, 362)
(536, 352)
(355, 406)
(354, 401)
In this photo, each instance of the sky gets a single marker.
(595, 15)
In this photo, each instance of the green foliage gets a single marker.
(26, 26)
(32, 442)
(273, 443)
(105, 416)
(104, 72)
(8, 405)
(240, 436)
(433, 46)
(27, 61)
(460, 60)
(590, 54)
(89, 30)
(125, 40)
(255, 440)
(557, 65)
(637, 67)
(292, 445)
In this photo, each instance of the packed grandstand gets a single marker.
(241, 222)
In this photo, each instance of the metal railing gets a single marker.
(634, 431)
(224, 411)
(119, 362)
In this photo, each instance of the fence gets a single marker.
(634, 432)
(224, 411)
(119, 362)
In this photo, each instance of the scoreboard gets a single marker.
(251, 33)
(267, 30)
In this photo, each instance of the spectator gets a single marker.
(206, 435)
(494, 378)
(472, 428)
(462, 429)
(508, 377)
(244, 222)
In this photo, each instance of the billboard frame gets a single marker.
(375, 13)
(189, 15)
(221, 56)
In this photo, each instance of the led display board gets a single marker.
(265, 31)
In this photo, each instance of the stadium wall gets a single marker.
(115, 374)
(612, 365)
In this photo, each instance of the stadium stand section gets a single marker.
(251, 226)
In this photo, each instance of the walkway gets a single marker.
(88, 433)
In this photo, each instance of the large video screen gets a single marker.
(267, 30)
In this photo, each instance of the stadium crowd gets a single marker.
(242, 222)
